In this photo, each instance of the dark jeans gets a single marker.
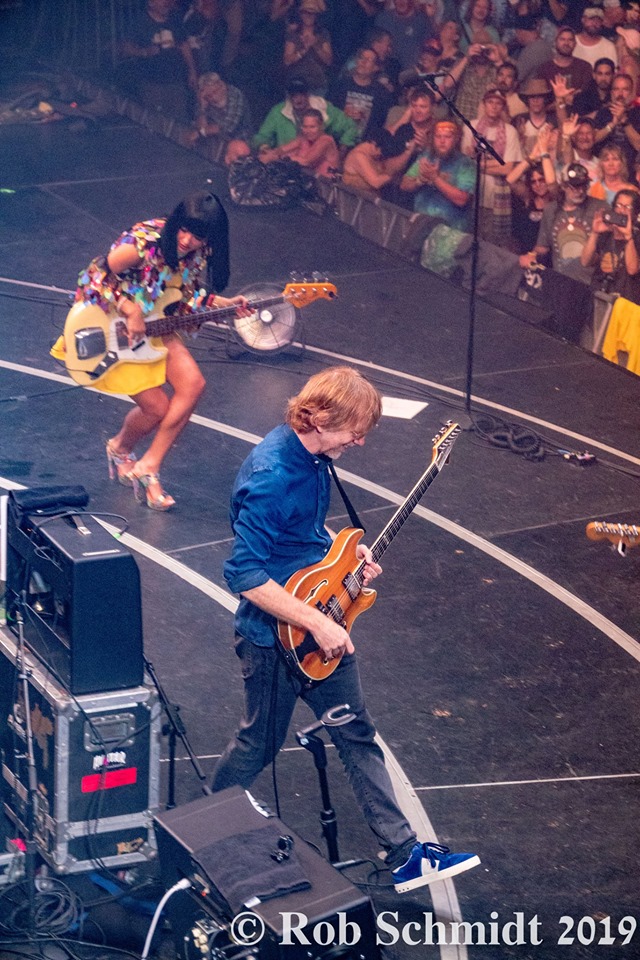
(270, 697)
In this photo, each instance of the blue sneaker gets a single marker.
(430, 862)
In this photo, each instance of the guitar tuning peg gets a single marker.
(296, 276)
(317, 277)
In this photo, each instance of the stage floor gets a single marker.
(501, 658)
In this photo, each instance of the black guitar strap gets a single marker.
(353, 516)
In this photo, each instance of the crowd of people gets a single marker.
(552, 86)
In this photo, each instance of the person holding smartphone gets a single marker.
(613, 247)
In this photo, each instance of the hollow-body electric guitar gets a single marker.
(621, 535)
(336, 585)
(96, 342)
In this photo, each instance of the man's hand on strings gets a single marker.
(372, 569)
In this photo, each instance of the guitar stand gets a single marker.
(174, 728)
(307, 738)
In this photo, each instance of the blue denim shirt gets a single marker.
(279, 505)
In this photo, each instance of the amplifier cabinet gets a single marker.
(82, 612)
(97, 763)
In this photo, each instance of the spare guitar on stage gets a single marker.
(336, 585)
(621, 535)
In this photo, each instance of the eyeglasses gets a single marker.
(537, 180)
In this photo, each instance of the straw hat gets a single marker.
(535, 87)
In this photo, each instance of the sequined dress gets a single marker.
(142, 284)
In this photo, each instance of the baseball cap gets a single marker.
(494, 92)
(297, 85)
(576, 175)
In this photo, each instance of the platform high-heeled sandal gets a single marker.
(142, 491)
(119, 465)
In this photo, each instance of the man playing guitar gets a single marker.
(279, 505)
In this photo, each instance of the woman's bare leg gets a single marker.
(152, 406)
(183, 375)
(168, 415)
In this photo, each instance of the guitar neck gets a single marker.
(385, 538)
(164, 325)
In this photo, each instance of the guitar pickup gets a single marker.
(335, 610)
(351, 585)
(90, 342)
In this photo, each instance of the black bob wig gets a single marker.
(203, 215)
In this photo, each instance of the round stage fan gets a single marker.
(269, 329)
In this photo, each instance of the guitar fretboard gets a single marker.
(442, 449)
(164, 325)
(385, 538)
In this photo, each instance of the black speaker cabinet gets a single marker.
(296, 926)
(81, 611)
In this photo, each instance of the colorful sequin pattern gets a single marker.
(143, 284)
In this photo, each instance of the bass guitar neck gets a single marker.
(96, 341)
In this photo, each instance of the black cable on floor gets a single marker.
(509, 436)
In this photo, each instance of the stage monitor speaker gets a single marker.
(331, 918)
(78, 589)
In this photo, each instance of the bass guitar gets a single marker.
(95, 342)
(621, 535)
(336, 585)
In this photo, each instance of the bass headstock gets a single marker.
(443, 442)
(304, 292)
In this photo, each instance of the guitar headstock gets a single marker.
(307, 291)
(621, 535)
(443, 441)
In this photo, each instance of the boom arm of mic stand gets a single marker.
(481, 142)
(177, 729)
(482, 147)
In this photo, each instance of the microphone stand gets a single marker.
(31, 847)
(175, 728)
(482, 147)
(307, 738)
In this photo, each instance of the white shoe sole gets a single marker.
(434, 877)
